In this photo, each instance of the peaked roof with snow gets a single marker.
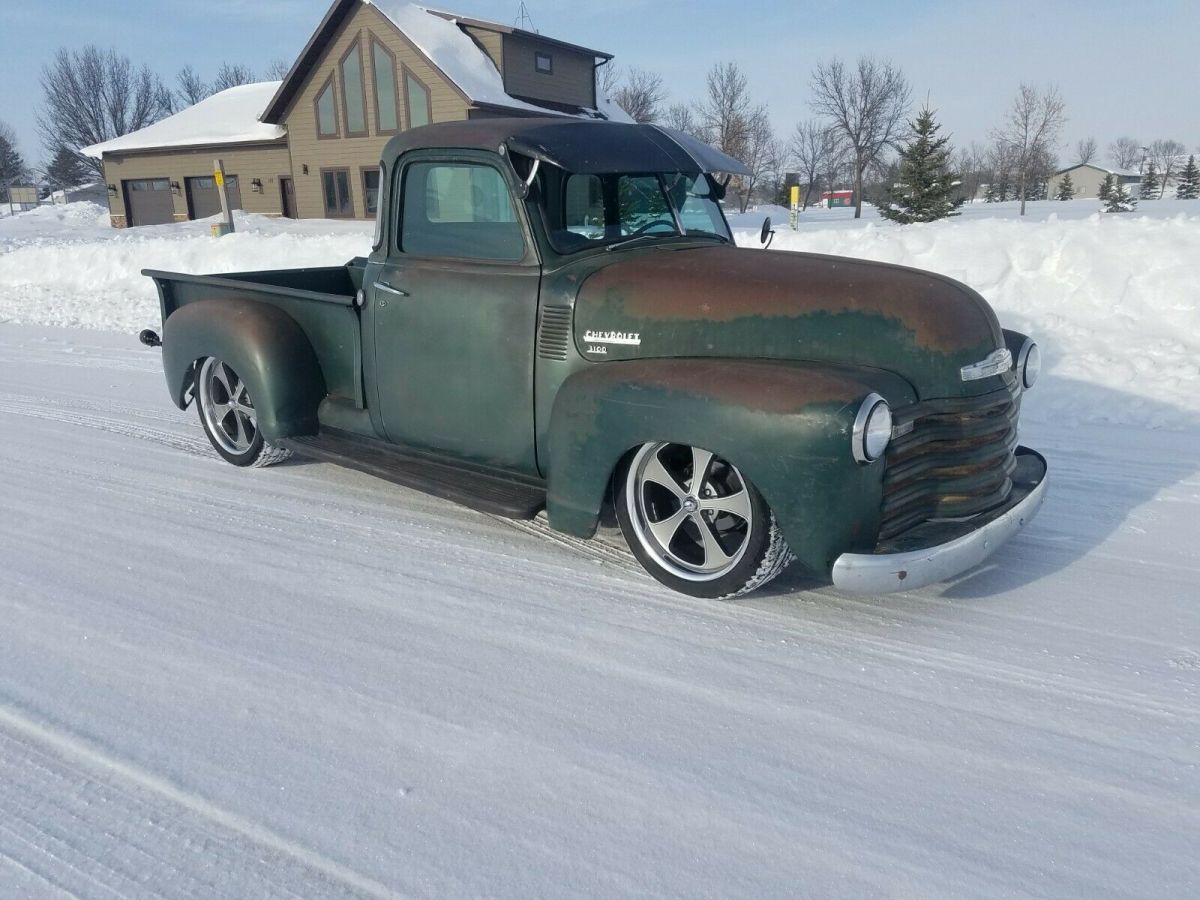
(228, 117)
(1124, 173)
(448, 48)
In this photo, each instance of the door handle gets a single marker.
(384, 286)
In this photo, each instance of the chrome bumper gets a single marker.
(882, 573)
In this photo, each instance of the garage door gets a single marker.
(205, 201)
(148, 201)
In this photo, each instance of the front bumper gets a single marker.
(936, 551)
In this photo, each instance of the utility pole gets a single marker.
(524, 21)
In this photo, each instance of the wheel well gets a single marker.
(608, 507)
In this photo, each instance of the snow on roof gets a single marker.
(1124, 173)
(459, 57)
(228, 117)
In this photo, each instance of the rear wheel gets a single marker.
(229, 419)
(695, 523)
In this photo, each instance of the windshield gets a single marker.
(585, 211)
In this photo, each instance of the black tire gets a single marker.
(227, 415)
(741, 547)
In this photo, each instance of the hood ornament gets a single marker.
(993, 364)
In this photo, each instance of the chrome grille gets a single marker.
(957, 460)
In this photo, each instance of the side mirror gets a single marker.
(766, 235)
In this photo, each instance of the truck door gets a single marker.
(455, 312)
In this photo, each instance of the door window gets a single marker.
(335, 189)
(460, 210)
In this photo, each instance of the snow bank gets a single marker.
(64, 265)
(1112, 299)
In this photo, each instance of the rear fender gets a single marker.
(263, 344)
(787, 426)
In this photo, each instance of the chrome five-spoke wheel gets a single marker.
(229, 418)
(696, 523)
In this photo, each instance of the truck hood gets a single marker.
(732, 302)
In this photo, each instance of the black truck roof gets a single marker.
(575, 145)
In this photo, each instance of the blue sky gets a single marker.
(1122, 69)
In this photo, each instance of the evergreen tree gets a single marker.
(1188, 186)
(1066, 188)
(12, 166)
(924, 185)
(67, 170)
(1107, 186)
(1119, 199)
(1150, 183)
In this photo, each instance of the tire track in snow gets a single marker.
(51, 412)
(94, 825)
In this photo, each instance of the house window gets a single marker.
(459, 210)
(335, 190)
(543, 62)
(387, 99)
(354, 102)
(326, 110)
(419, 112)
(371, 190)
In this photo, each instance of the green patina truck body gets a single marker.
(554, 316)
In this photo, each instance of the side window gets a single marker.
(461, 210)
(335, 190)
(326, 110)
(583, 211)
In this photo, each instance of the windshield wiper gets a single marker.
(696, 232)
(643, 237)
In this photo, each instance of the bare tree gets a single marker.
(277, 69)
(1125, 152)
(1166, 157)
(1085, 151)
(191, 89)
(679, 116)
(762, 154)
(640, 95)
(608, 76)
(866, 105)
(231, 75)
(91, 96)
(726, 115)
(812, 146)
(1032, 126)
(970, 161)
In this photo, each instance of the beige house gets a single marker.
(309, 146)
(1087, 178)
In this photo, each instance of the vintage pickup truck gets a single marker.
(554, 315)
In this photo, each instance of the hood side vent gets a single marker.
(554, 332)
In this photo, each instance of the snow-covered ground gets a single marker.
(303, 681)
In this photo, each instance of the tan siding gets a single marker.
(265, 162)
(1085, 179)
(359, 152)
(492, 43)
(573, 80)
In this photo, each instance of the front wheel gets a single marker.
(695, 523)
(229, 419)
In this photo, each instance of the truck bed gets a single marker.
(323, 301)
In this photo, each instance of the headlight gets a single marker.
(872, 429)
(1029, 363)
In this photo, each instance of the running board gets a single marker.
(482, 491)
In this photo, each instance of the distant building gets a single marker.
(1087, 178)
(95, 192)
(309, 146)
(837, 198)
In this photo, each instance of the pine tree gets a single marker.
(1119, 199)
(1150, 183)
(67, 170)
(1188, 186)
(1107, 186)
(1066, 188)
(924, 186)
(12, 166)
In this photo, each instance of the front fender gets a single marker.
(786, 425)
(263, 344)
